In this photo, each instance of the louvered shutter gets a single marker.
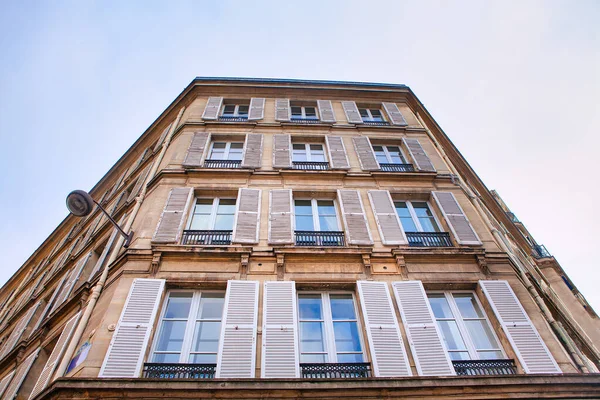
(282, 110)
(196, 152)
(280, 357)
(326, 111)
(213, 106)
(162, 138)
(139, 183)
(280, 216)
(426, 342)
(385, 340)
(73, 277)
(172, 219)
(337, 152)
(247, 216)
(252, 151)
(5, 381)
(109, 243)
(50, 303)
(18, 331)
(456, 218)
(47, 373)
(355, 221)
(351, 111)
(365, 152)
(282, 151)
(118, 183)
(257, 109)
(418, 155)
(125, 354)
(237, 346)
(20, 374)
(531, 350)
(388, 223)
(394, 114)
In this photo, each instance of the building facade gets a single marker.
(295, 239)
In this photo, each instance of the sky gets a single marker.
(514, 84)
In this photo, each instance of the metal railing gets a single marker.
(179, 371)
(429, 239)
(222, 163)
(376, 123)
(540, 251)
(206, 238)
(484, 367)
(225, 118)
(314, 238)
(336, 370)
(311, 165)
(396, 167)
(304, 120)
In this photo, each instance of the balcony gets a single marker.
(397, 167)
(179, 371)
(428, 239)
(225, 164)
(539, 251)
(297, 120)
(215, 238)
(484, 367)
(376, 123)
(310, 165)
(232, 118)
(314, 238)
(335, 370)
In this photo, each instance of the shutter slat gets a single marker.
(171, 221)
(394, 113)
(366, 156)
(326, 112)
(139, 183)
(252, 151)
(50, 303)
(456, 218)
(338, 158)
(355, 221)
(420, 158)
(5, 381)
(20, 374)
(162, 138)
(107, 248)
(280, 216)
(282, 151)
(257, 109)
(388, 221)
(213, 106)
(70, 282)
(282, 110)
(18, 331)
(196, 152)
(247, 216)
(352, 114)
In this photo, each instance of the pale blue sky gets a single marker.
(515, 84)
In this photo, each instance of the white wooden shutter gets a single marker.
(118, 183)
(47, 373)
(139, 183)
(388, 223)
(162, 137)
(531, 350)
(280, 216)
(337, 152)
(17, 333)
(280, 357)
(107, 247)
(50, 302)
(213, 106)
(385, 340)
(394, 114)
(418, 155)
(326, 111)
(426, 342)
(20, 374)
(73, 277)
(5, 381)
(196, 152)
(282, 151)
(125, 354)
(172, 219)
(365, 152)
(282, 110)
(237, 346)
(456, 218)
(252, 157)
(247, 216)
(352, 114)
(257, 109)
(353, 213)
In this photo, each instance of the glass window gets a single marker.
(371, 115)
(316, 215)
(213, 214)
(304, 112)
(308, 152)
(416, 216)
(235, 110)
(226, 151)
(389, 154)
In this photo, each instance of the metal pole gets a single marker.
(126, 236)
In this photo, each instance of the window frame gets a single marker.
(414, 215)
(226, 152)
(387, 153)
(307, 151)
(303, 113)
(371, 119)
(213, 211)
(236, 110)
(315, 213)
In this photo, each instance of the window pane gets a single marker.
(206, 337)
(224, 223)
(421, 209)
(243, 110)
(311, 337)
(342, 306)
(203, 358)
(310, 306)
(481, 334)
(440, 306)
(211, 306)
(395, 155)
(350, 358)
(219, 145)
(326, 207)
(171, 336)
(364, 113)
(451, 335)
(429, 225)
(346, 336)
(490, 355)
(402, 209)
(237, 146)
(296, 111)
(328, 224)
(304, 223)
(408, 224)
(299, 146)
(178, 305)
(313, 358)
(299, 156)
(229, 109)
(203, 206)
(376, 115)
(467, 306)
(459, 355)
(302, 207)
(200, 222)
(169, 358)
(310, 111)
(226, 206)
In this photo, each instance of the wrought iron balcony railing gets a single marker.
(397, 167)
(232, 118)
(222, 164)
(540, 251)
(336, 370)
(179, 371)
(311, 165)
(216, 238)
(314, 238)
(297, 120)
(376, 123)
(484, 367)
(428, 239)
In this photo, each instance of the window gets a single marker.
(304, 112)
(416, 216)
(190, 328)
(308, 152)
(235, 111)
(213, 214)
(465, 328)
(329, 331)
(316, 215)
(389, 155)
(226, 151)
(371, 115)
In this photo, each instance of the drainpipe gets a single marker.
(113, 256)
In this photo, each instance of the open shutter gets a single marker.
(162, 138)
(426, 342)
(365, 152)
(5, 381)
(531, 350)
(18, 331)
(257, 109)
(20, 374)
(456, 218)
(56, 355)
(337, 152)
(282, 151)
(125, 354)
(355, 221)
(420, 158)
(237, 345)
(326, 111)
(388, 223)
(172, 219)
(107, 248)
(213, 106)
(50, 303)
(385, 341)
(280, 216)
(118, 184)
(352, 114)
(282, 110)
(394, 113)
(139, 183)
(70, 282)
(196, 152)
(280, 357)
(247, 216)
(252, 151)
